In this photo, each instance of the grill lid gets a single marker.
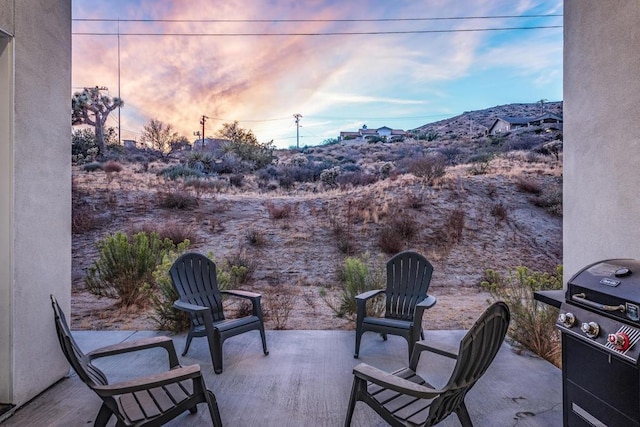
(611, 287)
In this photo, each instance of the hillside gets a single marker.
(495, 207)
(473, 123)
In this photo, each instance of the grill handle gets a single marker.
(582, 298)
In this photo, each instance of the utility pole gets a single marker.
(297, 116)
(119, 121)
(203, 119)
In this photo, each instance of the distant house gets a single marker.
(507, 124)
(383, 132)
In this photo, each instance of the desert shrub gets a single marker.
(389, 241)
(550, 200)
(523, 143)
(201, 185)
(359, 274)
(83, 142)
(329, 177)
(385, 169)
(179, 171)
(528, 185)
(236, 270)
(176, 200)
(356, 179)
(428, 167)
(499, 212)
(83, 218)
(112, 166)
(175, 231)
(248, 149)
(532, 323)
(231, 163)
(428, 136)
(450, 154)
(92, 167)
(414, 201)
(125, 266)
(256, 237)
(280, 301)
(201, 161)
(278, 212)
(236, 180)
(162, 295)
(394, 235)
(480, 167)
(403, 225)
(454, 225)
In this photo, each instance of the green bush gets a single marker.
(164, 294)
(179, 171)
(532, 323)
(92, 167)
(359, 274)
(125, 266)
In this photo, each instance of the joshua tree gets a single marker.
(91, 107)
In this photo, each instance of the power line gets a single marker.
(334, 33)
(452, 18)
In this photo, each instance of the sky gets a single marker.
(339, 64)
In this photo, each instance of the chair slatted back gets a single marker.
(477, 350)
(194, 278)
(408, 279)
(80, 363)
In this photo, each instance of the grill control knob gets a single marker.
(592, 329)
(620, 341)
(567, 319)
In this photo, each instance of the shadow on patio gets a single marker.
(306, 380)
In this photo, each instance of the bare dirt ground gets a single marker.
(502, 229)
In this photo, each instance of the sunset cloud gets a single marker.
(262, 80)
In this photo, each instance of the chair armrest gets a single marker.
(241, 294)
(428, 302)
(151, 381)
(369, 294)
(392, 382)
(190, 308)
(137, 345)
(421, 346)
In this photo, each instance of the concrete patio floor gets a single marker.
(306, 380)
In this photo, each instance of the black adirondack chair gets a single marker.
(404, 398)
(194, 278)
(147, 401)
(408, 278)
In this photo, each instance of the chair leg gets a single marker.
(187, 344)
(213, 409)
(463, 415)
(264, 340)
(355, 389)
(215, 348)
(103, 417)
(358, 339)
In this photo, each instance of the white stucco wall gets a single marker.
(36, 199)
(601, 131)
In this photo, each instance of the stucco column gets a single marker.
(35, 203)
(601, 132)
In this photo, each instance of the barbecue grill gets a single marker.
(599, 322)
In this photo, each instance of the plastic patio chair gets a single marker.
(408, 278)
(404, 398)
(194, 278)
(146, 401)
